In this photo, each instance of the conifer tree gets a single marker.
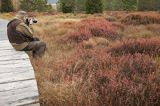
(34, 5)
(67, 6)
(94, 6)
(6, 6)
(148, 5)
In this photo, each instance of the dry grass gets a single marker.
(7, 16)
(51, 30)
(85, 74)
(144, 46)
(56, 91)
(141, 18)
(141, 31)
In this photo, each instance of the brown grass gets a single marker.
(139, 18)
(144, 46)
(62, 86)
(141, 31)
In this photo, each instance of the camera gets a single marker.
(30, 21)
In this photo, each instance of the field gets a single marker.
(110, 59)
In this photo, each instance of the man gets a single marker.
(21, 36)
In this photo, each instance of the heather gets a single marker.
(116, 65)
(88, 28)
(110, 57)
(139, 18)
(106, 80)
(132, 46)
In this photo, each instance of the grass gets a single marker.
(86, 73)
(61, 73)
(144, 46)
(139, 18)
(7, 16)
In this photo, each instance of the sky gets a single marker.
(52, 1)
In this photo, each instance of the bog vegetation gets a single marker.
(105, 59)
(93, 62)
(76, 6)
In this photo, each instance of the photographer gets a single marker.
(20, 35)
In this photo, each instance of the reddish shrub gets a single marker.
(132, 46)
(79, 36)
(141, 18)
(119, 26)
(114, 81)
(93, 27)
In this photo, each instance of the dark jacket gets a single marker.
(15, 36)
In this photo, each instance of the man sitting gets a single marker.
(20, 35)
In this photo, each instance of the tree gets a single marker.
(158, 5)
(41, 5)
(80, 5)
(129, 4)
(26, 5)
(6, 6)
(94, 6)
(148, 5)
(67, 6)
(34, 5)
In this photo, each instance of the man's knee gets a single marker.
(40, 49)
(42, 44)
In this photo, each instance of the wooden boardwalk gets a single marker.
(18, 86)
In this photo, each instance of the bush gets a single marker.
(95, 41)
(139, 18)
(146, 46)
(35, 5)
(120, 4)
(129, 4)
(92, 28)
(6, 6)
(101, 79)
(67, 9)
(94, 6)
(149, 5)
(67, 6)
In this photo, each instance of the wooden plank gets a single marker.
(10, 70)
(18, 86)
(10, 51)
(16, 76)
(14, 54)
(17, 63)
(13, 57)
(5, 44)
(25, 94)
(10, 54)
(5, 49)
(36, 104)
(15, 66)
(14, 61)
(4, 41)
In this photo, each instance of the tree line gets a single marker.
(89, 6)
(27, 5)
(98, 6)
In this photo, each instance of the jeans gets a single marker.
(38, 48)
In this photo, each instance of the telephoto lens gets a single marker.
(35, 21)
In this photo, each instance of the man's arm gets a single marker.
(26, 30)
(23, 28)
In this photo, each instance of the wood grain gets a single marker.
(18, 86)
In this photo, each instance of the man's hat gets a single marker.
(21, 14)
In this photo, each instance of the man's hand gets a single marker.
(36, 39)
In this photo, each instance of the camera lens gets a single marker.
(34, 21)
